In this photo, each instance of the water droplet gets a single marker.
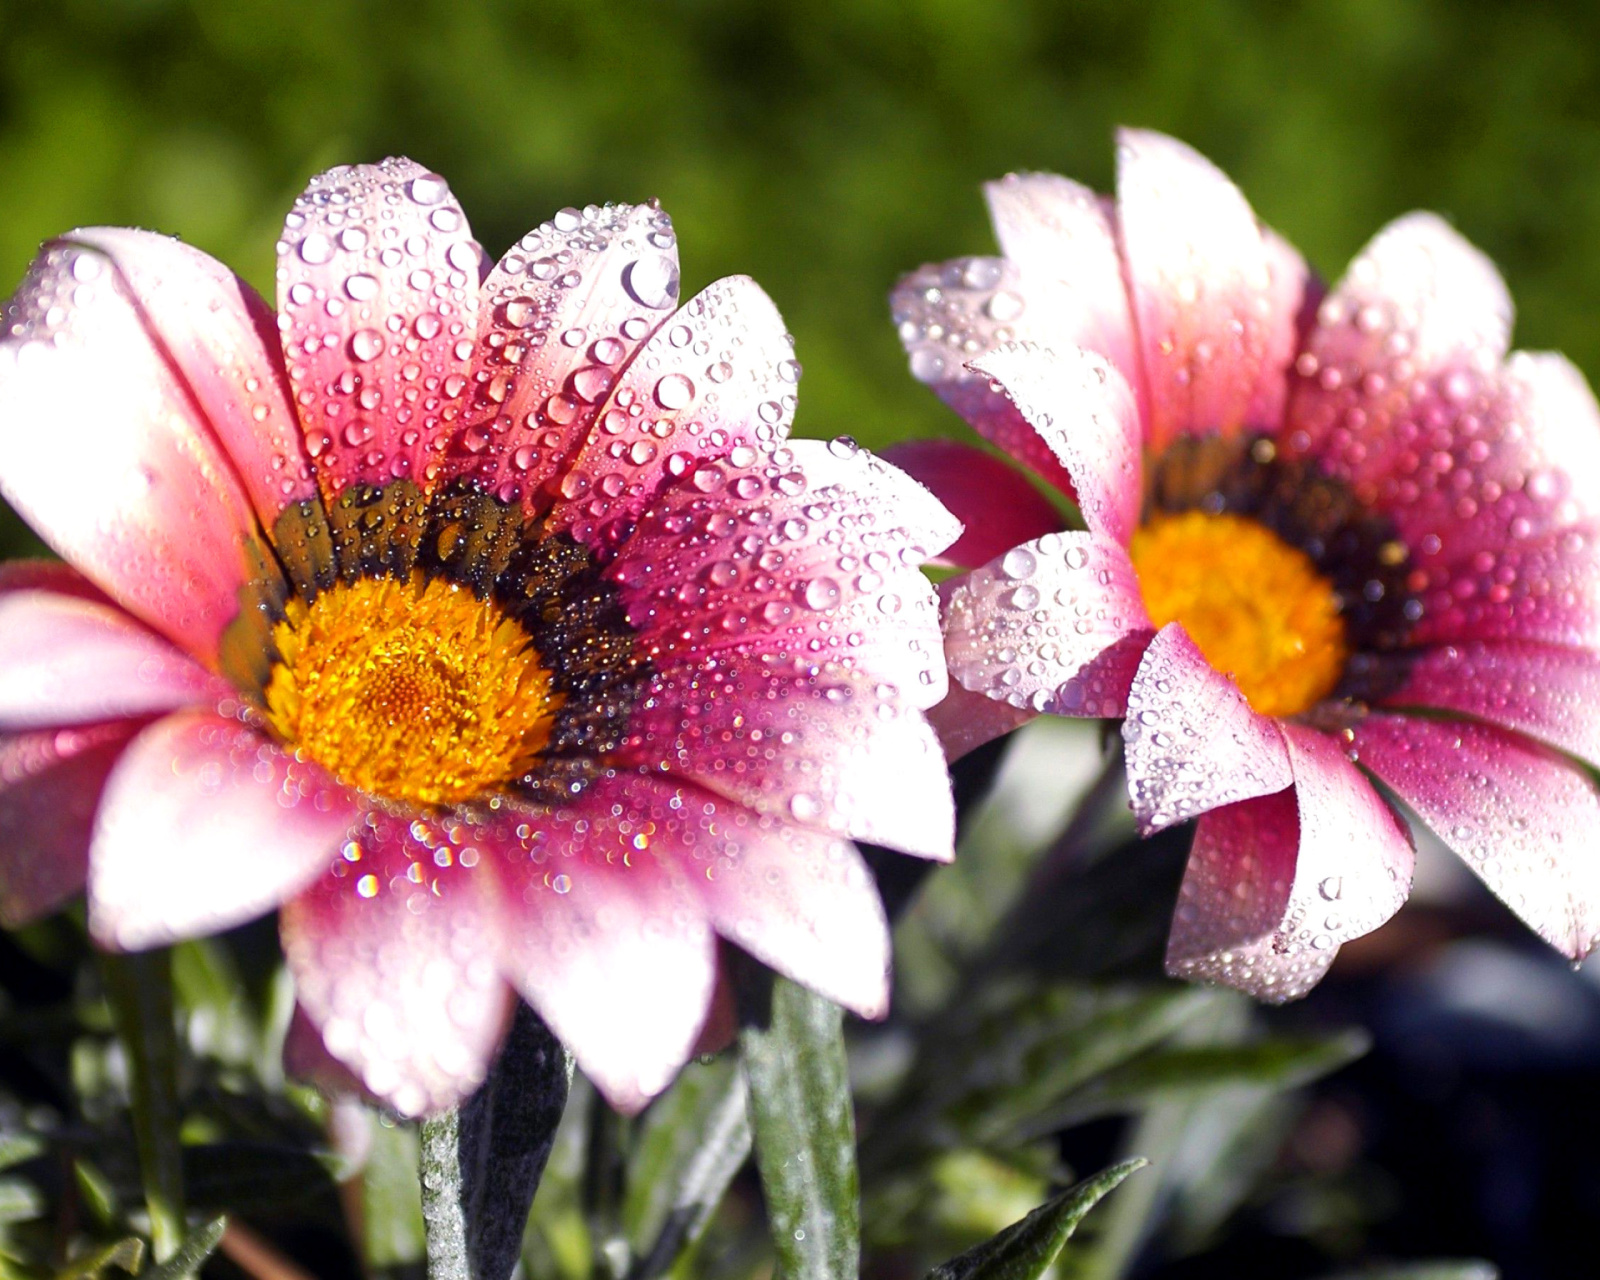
(652, 281)
(674, 391)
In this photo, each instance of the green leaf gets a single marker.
(1025, 1249)
(98, 1192)
(126, 1254)
(692, 1143)
(1441, 1270)
(481, 1161)
(793, 1048)
(195, 1248)
(20, 1201)
(391, 1200)
(17, 1147)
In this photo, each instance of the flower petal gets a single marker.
(1084, 409)
(50, 783)
(1212, 324)
(602, 935)
(67, 660)
(994, 502)
(378, 280)
(129, 485)
(1192, 741)
(563, 312)
(1055, 625)
(964, 721)
(1275, 884)
(824, 747)
(223, 339)
(393, 956)
(717, 379)
(1527, 821)
(205, 824)
(946, 315)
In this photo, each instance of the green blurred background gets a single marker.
(823, 147)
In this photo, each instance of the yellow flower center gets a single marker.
(411, 690)
(1257, 607)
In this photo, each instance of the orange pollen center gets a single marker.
(415, 691)
(1256, 606)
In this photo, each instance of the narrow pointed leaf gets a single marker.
(1024, 1250)
(125, 1254)
(793, 1047)
(195, 1248)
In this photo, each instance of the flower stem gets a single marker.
(139, 988)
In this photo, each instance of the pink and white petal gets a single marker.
(205, 824)
(1545, 691)
(923, 525)
(602, 935)
(306, 1057)
(378, 279)
(949, 313)
(1084, 409)
(1293, 294)
(223, 339)
(994, 502)
(129, 484)
(50, 783)
(717, 380)
(1208, 315)
(1055, 625)
(965, 721)
(394, 956)
(1275, 884)
(1063, 236)
(1191, 741)
(49, 575)
(821, 746)
(1522, 817)
(1419, 305)
(67, 660)
(562, 314)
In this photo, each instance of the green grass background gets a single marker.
(823, 147)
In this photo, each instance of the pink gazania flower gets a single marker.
(1329, 540)
(481, 617)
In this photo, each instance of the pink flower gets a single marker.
(489, 624)
(1328, 540)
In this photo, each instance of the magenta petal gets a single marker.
(50, 783)
(823, 747)
(67, 660)
(946, 315)
(717, 379)
(1293, 292)
(1527, 821)
(128, 483)
(1084, 409)
(994, 502)
(964, 721)
(1192, 741)
(602, 934)
(393, 952)
(378, 280)
(1055, 625)
(1211, 323)
(205, 824)
(552, 347)
(1275, 884)
(223, 338)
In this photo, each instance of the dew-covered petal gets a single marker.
(378, 280)
(204, 824)
(1526, 820)
(997, 507)
(1084, 409)
(223, 339)
(821, 746)
(964, 720)
(1212, 323)
(393, 954)
(1056, 624)
(128, 483)
(49, 575)
(50, 783)
(950, 313)
(68, 660)
(718, 379)
(1191, 740)
(562, 314)
(1275, 884)
(1293, 293)
(601, 933)
(814, 549)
